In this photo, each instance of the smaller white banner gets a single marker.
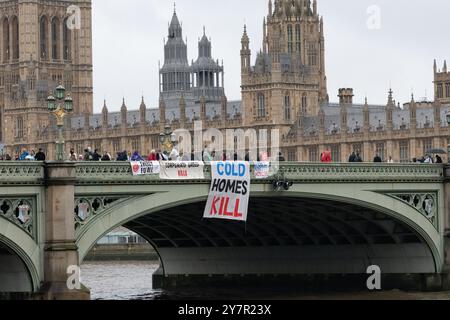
(261, 170)
(145, 168)
(182, 170)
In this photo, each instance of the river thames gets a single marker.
(133, 281)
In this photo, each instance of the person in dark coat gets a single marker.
(352, 157)
(377, 159)
(40, 156)
(96, 156)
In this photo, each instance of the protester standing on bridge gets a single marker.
(326, 156)
(96, 156)
(152, 156)
(428, 159)
(40, 156)
(106, 156)
(88, 155)
(136, 157)
(73, 155)
(439, 159)
(377, 159)
(23, 155)
(358, 157)
(352, 157)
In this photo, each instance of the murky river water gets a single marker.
(133, 281)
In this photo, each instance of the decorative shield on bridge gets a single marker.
(23, 213)
(83, 211)
(428, 204)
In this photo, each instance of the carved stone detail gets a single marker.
(19, 211)
(425, 203)
(86, 208)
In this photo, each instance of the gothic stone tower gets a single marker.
(43, 43)
(441, 84)
(289, 75)
(175, 75)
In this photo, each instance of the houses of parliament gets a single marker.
(284, 86)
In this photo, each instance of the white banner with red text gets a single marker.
(261, 170)
(182, 170)
(141, 168)
(230, 191)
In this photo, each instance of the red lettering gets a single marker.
(182, 173)
(213, 211)
(221, 207)
(236, 209)
(226, 213)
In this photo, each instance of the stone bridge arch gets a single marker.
(376, 199)
(20, 260)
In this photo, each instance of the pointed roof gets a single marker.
(204, 40)
(143, 103)
(124, 107)
(175, 30)
(105, 108)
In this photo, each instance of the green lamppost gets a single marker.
(167, 139)
(448, 147)
(60, 105)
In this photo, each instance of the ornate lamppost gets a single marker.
(60, 105)
(448, 147)
(167, 139)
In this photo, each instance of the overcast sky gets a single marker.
(128, 43)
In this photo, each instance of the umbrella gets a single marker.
(436, 151)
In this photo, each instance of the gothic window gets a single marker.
(447, 89)
(440, 91)
(312, 55)
(19, 128)
(297, 38)
(304, 104)
(427, 145)
(155, 142)
(313, 154)
(336, 153)
(43, 37)
(6, 49)
(116, 146)
(55, 38)
(404, 151)
(290, 39)
(357, 148)
(79, 148)
(66, 41)
(135, 144)
(292, 154)
(287, 107)
(15, 35)
(380, 150)
(261, 106)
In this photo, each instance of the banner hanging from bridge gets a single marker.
(261, 170)
(230, 191)
(141, 168)
(182, 170)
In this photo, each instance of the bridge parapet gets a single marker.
(21, 173)
(120, 173)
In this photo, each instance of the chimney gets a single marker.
(345, 96)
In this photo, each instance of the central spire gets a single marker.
(175, 30)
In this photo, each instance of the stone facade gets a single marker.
(40, 49)
(286, 89)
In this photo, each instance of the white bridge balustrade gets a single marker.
(334, 219)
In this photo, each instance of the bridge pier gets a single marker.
(61, 251)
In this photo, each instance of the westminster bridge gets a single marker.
(334, 219)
